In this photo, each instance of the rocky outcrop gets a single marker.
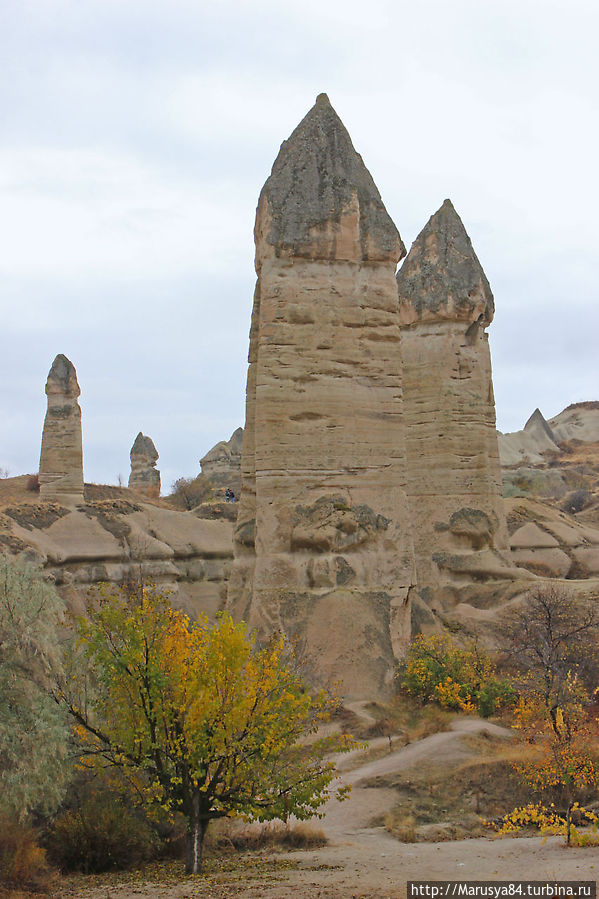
(530, 445)
(120, 540)
(579, 421)
(454, 479)
(551, 543)
(144, 477)
(222, 464)
(323, 546)
(552, 459)
(61, 458)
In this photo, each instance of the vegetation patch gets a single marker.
(108, 515)
(38, 517)
(13, 544)
(442, 804)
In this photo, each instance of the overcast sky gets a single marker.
(136, 136)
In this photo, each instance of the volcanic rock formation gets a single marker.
(144, 477)
(323, 545)
(221, 465)
(61, 458)
(454, 477)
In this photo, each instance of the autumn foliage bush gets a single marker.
(23, 863)
(461, 679)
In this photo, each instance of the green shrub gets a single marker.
(436, 670)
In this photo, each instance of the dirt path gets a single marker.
(364, 862)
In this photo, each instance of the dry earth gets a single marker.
(364, 862)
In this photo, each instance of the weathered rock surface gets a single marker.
(144, 477)
(551, 543)
(118, 541)
(222, 464)
(61, 458)
(553, 459)
(579, 421)
(323, 545)
(454, 478)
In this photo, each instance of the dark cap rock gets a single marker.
(62, 378)
(441, 277)
(320, 201)
(143, 447)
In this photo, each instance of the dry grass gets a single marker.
(243, 837)
(14, 490)
(404, 720)
(23, 865)
(453, 802)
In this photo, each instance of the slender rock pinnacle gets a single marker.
(144, 477)
(61, 459)
(454, 477)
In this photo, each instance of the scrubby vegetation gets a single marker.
(23, 864)
(187, 493)
(33, 729)
(462, 679)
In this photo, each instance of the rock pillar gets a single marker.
(454, 477)
(323, 546)
(144, 477)
(61, 459)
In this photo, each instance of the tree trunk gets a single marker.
(569, 824)
(194, 839)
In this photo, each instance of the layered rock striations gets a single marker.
(323, 546)
(454, 477)
(144, 477)
(61, 458)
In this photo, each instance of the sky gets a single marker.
(135, 136)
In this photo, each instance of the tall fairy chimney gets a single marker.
(454, 477)
(323, 547)
(61, 459)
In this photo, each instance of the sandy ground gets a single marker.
(363, 862)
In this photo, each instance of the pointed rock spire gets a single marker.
(537, 422)
(441, 277)
(320, 201)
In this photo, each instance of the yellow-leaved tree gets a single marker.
(554, 640)
(203, 721)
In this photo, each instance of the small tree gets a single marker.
(564, 766)
(33, 729)
(187, 493)
(552, 638)
(201, 720)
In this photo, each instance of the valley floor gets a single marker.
(362, 861)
